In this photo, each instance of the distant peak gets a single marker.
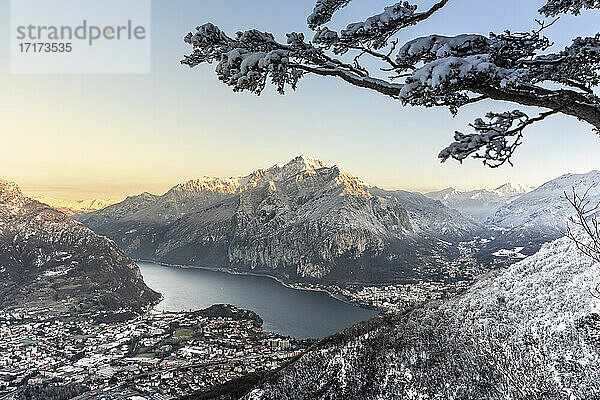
(443, 194)
(512, 189)
(143, 196)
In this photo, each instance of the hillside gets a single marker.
(49, 261)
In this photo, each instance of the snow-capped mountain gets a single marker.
(74, 207)
(541, 215)
(300, 221)
(527, 332)
(48, 260)
(513, 189)
(547, 206)
(482, 203)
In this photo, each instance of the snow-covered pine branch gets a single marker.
(429, 71)
(555, 7)
(323, 12)
(494, 140)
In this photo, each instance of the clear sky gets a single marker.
(81, 136)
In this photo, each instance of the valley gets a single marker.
(311, 250)
(318, 227)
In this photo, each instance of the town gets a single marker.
(156, 356)
(445, 278)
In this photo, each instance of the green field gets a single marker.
(183, 332)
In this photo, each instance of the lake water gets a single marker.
(286, 311)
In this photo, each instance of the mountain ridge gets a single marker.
(541, 215)
(50, 261)
(302, 220)
(74, 207)
(480, 204)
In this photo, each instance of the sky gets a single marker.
(77, 136)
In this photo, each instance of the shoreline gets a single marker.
(293, 286)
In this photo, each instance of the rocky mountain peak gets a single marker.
(350, 184)
(208, 184)
(444, 194)
(231, 185)
(302, 163)
(11, 197)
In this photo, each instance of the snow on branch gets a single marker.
(442, 82)
(375, 31)
(578, 65)
(494, 140)
(246, 62)
(430, 48)
(323, 12)
(555, 7)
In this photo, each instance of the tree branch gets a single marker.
(585, 221)
(566, 101)
(435, 70)
(378, 85)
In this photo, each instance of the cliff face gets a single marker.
(301, 221)
(49, 260)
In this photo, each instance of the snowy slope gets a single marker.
(528, 332)
(546, 207)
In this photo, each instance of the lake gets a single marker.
(287, 311)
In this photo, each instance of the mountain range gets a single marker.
(74, 207)
(302, 221)
(51, 262)
(521, 218)
(541, 215)
(531, 330)
(305, 221)
(482, 203)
